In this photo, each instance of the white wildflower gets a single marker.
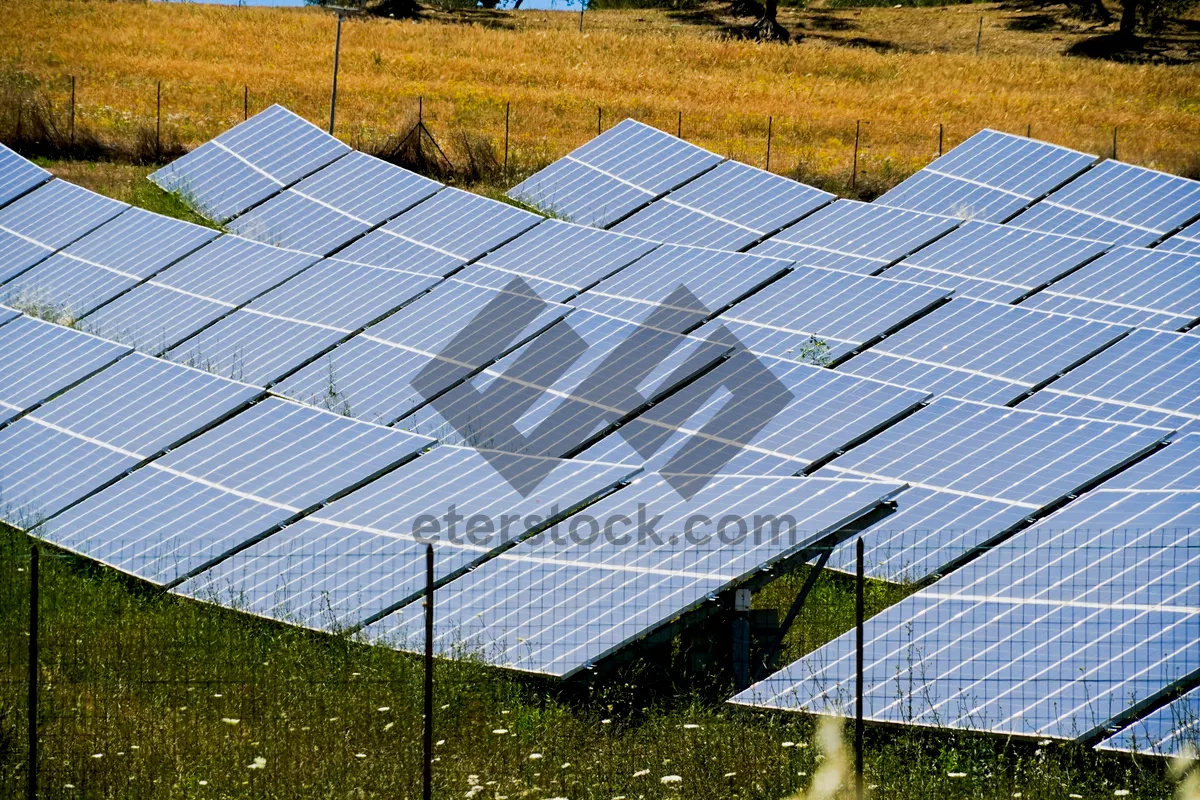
(956, 774)
(384, 709)
(789, 744)
(500, 731)
(230, 720)
(259, 763)
(641, 773)
(670, 779)
(690, 726)
(534, 756)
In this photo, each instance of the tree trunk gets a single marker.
(1129, 14)
(768, 29)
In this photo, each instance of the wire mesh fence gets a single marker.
(1051, 638)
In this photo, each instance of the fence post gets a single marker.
(427, 772)
(507, 113)
(599, 120)
(941, 131)
(582, 8)
(31, 782)
(245, 102)
(337, 52)
(858, 671)
(71, 119)
(1114, 143)
(979, 35)
(854, 165)
(769, 122)
(158, 124)
(1029, 130)
(679, 127)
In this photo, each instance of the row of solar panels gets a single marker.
(635, 300)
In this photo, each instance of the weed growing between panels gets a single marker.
(149, 696)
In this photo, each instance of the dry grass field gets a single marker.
(903, 71)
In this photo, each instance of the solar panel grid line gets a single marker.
(18, 176)
(1185, 240)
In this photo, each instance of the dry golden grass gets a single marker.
(646, 64)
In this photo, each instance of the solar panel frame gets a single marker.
(986, 261)
(730, 207)
(1117, 203)
(1186, 240)
(195, 292)
(249, 163)
(983, 351)
(855, 237)
(571, 583)
(228, 487)
(18, 175)
(990, 176)
(1130, 286)
(1172, 730)
(557, 259)
(48, 219)
(977, 473)
(845, 311)
(335, 205)
(358, 558)
(613, 175)
(1175, 468)
(1148, 378)
(116, 256)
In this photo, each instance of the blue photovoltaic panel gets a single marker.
(557, 604)
(990, 176)
(299, 320)
(8, 314)
(196, 292)
(976, 472)
(48, 219)
(233, 483)
(1174, 468)
(444, 336)
(730, 207)
(41, 359)
(1117, 203)
(363, 555)
(989, 352)
(1172, 730)
(856, 237)
(335, 204)
(557, 259)
(715, 280)
(249, 163)
(839, 310)
(995, 262)
(1129, 286)
(109, 423)
(111, 259)
(579, 378)
(614, 174)
(1186, 241)
(1150, 377)
(442, 234)
(18, 175)
(756, 415)
(1057, 632)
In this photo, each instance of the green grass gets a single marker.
(140, 692)
(124, 182)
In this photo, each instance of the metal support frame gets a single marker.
(793, 612)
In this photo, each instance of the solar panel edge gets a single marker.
(899, 325)
(1072, 366)
(613, 223)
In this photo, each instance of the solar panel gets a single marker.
(441, 234)
(239, 481)
(8, 314)
(48, 219)
(756, 415)
(300, 320)
(1172, 730)
(196, 292)
(41, 359)
(1129, 286)
(990, 176)
(614, 174)
(1186, 241)
(977, 473)
(715, 278)
(557, 259)
(989, 352)
(730, 207)
(249, 163)
(438, 336)
(559, 603)
(335, 204)
(362, 556)
(1055, 633)
(821, 315)
(855, 237)
(111, 259)
(1117, 203)
(570, 384)
(1176, 467)
(1150, 377)
(106, 425)
(995, 262)
(18, 175)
